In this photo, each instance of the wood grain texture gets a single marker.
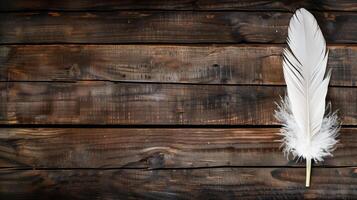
(155, 148)
(100, 102)
(68, 64)
(165, 27)
(218, 183)
(21, 5)
(212, 64)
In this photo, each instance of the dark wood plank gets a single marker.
(217, 183)
(16, 5)
(154, 148)
(101, 102)
(165, 27)
(214, 64)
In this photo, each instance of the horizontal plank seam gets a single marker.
(203, 44)
(168, 10)
(146, 126)
(156, 126)
(153, 10)
(240, 45)
(160, 83)
(169, 168)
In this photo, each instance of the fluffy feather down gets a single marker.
(306, 132)
(321, 145)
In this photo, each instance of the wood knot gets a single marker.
(74, 70)
(156, 160)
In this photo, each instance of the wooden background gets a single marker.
(159, 99)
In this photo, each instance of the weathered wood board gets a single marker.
(105, 5)
(165, 27)
(213, 183)
(206, 64)
(155, 148)
(102, 102)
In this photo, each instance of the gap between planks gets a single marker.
(163, 83)
(169, 168)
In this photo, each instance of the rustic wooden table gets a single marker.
(160, 99)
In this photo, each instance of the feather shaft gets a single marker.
(308, 172)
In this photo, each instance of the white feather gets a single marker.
(306, 132)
